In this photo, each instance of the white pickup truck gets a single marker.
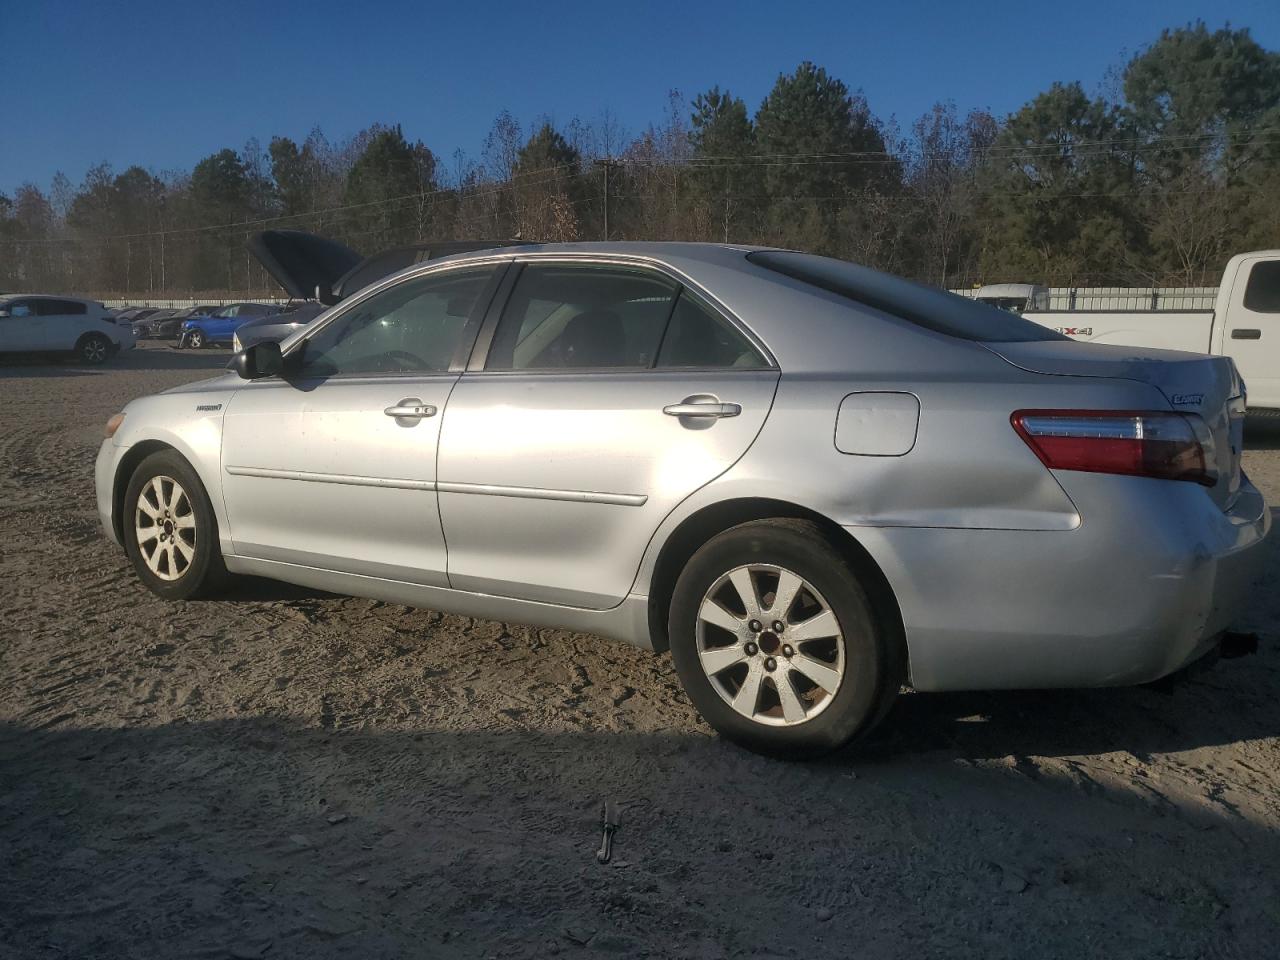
(1243, 325)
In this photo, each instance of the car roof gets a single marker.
(49, 296)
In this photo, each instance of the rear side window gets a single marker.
(927, 307)
(697, 337)
(59, 308)
(1262, 295)
(576, 317)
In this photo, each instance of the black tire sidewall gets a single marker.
(802, 548)
(206, 570)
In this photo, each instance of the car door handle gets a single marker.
(410, 408)
(1246, 334)
(702, 408)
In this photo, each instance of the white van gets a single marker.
(31, 323)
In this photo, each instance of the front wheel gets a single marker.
(170, 531)
(777, 642)
(195, 340)
(93, 348)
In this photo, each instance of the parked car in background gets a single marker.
(318, 272)
(139, 319)
(85, 329)
(146, 325)
(170, 327)
(1015, 297)
(779, 466)
(218, 328)
(1244, 325)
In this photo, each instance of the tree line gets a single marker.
(1155, 181)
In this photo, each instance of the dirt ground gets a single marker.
(287, 774)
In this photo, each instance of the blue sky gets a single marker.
(164, 84)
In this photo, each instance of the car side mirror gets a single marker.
(262, 359)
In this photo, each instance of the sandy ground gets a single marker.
(285, 774)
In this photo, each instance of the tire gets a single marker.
(93, 348)
(182, 560)
(195, 340)
(862, 649)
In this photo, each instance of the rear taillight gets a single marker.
(1171, 446)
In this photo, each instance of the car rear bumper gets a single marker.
(1146, 584)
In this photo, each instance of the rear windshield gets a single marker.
(927, 307)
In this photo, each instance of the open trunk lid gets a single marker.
(1191, 383)
(306, 265)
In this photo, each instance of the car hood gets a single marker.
(306, 265)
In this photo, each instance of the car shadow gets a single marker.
(275, 837)
(1262, 433)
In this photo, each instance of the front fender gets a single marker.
(173, 421)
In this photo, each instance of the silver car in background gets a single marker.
(810, 481)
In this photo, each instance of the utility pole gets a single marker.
(606, 163)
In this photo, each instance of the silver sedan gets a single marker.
(811, 482)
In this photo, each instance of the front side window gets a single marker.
(1262, 295)
(698, 337)
(582, 317)
(413, 327)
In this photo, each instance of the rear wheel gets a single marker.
(93, 348)
(777, 642)
(170, 531)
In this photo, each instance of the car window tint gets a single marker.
(928, 307)
(582, 317)
(413, 327)
(1262, 294)
(59, 308)
(698, 337)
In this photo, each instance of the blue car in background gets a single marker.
(218, 329)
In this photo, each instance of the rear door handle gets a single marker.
(410, 410)
(1245, 334)
(702, 408)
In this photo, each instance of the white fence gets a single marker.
(180, 304)
(1125, 298)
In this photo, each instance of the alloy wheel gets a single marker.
(770, 644)
(165, 525)
(94, 350)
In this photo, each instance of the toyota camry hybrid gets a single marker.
(810, 481)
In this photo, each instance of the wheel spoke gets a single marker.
(173, 565)
(721, 658)
(824, 676)
(146, 534)
(185, 522)
(792, 709)
(815, 628)
(157, 488)
(153, 559)
(175, 497)
(749, 693)
(745, 584)
(788, 586)
(184, 548)
(712, 612)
